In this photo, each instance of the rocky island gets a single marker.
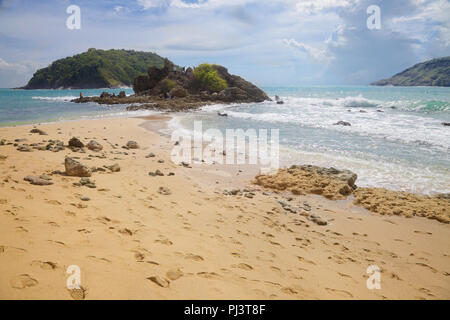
(172, 88)
(95, 69)
(435, 72)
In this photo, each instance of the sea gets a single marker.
(396, 139)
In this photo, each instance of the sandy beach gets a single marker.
(179, 236)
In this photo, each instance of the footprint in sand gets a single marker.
(46, 265)
(78, 294)
(426, 266)
(174, 274)
(289, 291)
(194, 257)
(209, 275)
(243, 266)
(159, 281)
(23, 281)
(340, 293)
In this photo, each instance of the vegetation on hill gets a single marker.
(95, 69)
(206, 77)
(434, 72)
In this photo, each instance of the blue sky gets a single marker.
(271, 43)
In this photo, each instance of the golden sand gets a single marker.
(132, 242)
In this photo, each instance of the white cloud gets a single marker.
(320, 55)
(13, 74)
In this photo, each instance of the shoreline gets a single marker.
(248, 245)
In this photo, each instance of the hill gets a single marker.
(95, 69)
(434, 72)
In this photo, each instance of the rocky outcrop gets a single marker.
(76, 169)
(339, 184)
(300, 180)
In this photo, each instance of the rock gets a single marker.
(75, 168)
(76, 143)
(185, 164)
(85, 181)
(222, 114)
(446, 124)
(152, 174)
(94, 146)
(122, 94)
(171, 174)
(160, 161)
(114, 168)
(24, 148)
(342, 123)
(318, 220)
(2, 157)
(164, 191)
(150, 155)
(3, 142)
(105, 94)
(159, 173)
(178, 93)
(36, 130)
(132, 145)
(85, 198)
(37, 181)
(45, 177)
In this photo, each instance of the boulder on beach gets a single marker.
(329, 182)
(37, 181)
(132, 145)
(94, 146)
(36, 130)
(76, 143)
(76, 169)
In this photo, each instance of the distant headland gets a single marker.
(435, 72)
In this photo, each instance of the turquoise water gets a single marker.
(396, 138)
(31, 106)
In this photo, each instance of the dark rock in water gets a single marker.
(380, 111)
(105, 94)
(278, 100)
(94, 146)
(122, 94)
(446, 124)
(37, 181)
(132, 145)
(75, 142)
(342, 123)
(75, 168)
(36, 130)
(222, 114)
(362, 111)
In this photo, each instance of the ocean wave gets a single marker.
(64, 98)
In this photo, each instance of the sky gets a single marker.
(268, 42)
